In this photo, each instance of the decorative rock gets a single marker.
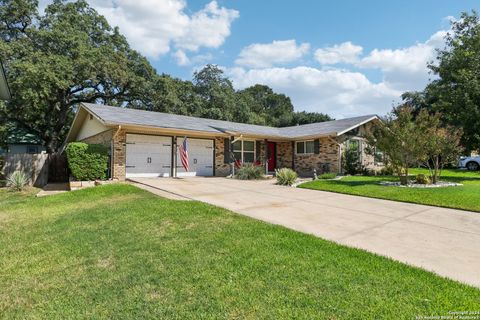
(439, 184)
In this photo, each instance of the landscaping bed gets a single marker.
(464, 196)
(116, 251)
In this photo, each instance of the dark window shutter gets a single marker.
(258, 146)
(316, 146)
(226, 150)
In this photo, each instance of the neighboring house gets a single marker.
(22, 141)
(144, 143)
(4, 90)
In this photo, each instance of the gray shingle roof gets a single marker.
(125, 116)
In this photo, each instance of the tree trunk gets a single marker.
(436, 163)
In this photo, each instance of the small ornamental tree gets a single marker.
(351, 161)
(397, 137)
(87, 161)
(438, 144)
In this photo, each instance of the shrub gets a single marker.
(285, 176)
(387, 171)
(17, 181)
(351, 161)
(422, 179)
(330, 175)
(249, 171)
(87, 161)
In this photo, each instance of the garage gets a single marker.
(200, 156)
(148, 155)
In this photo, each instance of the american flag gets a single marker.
(184, 154)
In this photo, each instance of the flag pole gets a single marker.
(175, 150)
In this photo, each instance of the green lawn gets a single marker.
(465, 197)
(116, 251)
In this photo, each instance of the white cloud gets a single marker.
(343, 92)
(208, 27)
(264, 55)
(345, 52)
(181, 57)
(153, 27)
(405, 68)
(339, 93)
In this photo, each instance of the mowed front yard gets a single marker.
(119, 252)
(466, 197)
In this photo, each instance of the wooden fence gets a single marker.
(39, 168)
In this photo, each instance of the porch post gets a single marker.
(265, 151)
(174, 157)
(232, 160)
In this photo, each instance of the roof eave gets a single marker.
(357, 125)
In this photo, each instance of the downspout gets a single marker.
(112, 153)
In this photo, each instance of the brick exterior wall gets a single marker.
(284, 154)
(329, 155)
(368, 160)
(119, 155)
(221, 169)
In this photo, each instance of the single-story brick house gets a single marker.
(144, 143)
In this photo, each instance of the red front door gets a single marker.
(271, 156)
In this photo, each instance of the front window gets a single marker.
(244, 151)
(378, 156)
(304, 147)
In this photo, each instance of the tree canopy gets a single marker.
(408, 139)
(66, 56)
(456, 91)
(70, 54)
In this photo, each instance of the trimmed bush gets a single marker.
(249, 171)
(17, 181)
(87, 161)
(422, 179)
(351, 161)
(286, 176)
(329, 175)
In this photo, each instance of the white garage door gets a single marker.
(148, 156)
(200, 156)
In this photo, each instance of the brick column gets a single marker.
(119, 155)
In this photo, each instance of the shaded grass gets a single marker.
(116, 251)
(466, 197)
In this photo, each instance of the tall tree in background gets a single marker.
(217, 92)
(66, 56)
(70, 55)
(456, 92)
(276, 109)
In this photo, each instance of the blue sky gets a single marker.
(372, 24)
(344, 58)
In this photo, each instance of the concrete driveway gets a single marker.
(444, 241)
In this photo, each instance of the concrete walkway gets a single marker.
(444, 241)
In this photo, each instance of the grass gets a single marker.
(116, 251)
(464, 197)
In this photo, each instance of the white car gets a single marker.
(471, 163)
